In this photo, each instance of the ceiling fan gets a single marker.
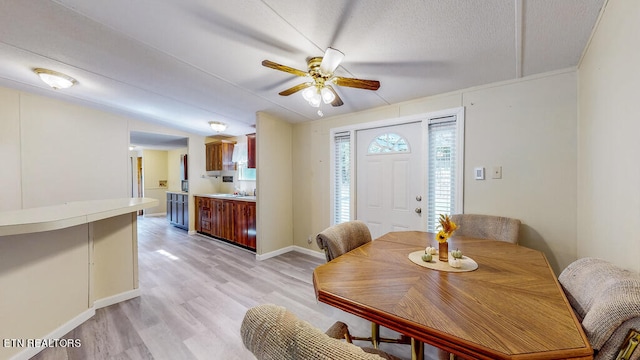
(320, 70)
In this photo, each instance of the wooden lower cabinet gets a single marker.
(203, 215)
(230, 220)
(222, 219)
(245, 223)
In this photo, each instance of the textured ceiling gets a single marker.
(183, 63)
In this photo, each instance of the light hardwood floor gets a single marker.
(194, 294)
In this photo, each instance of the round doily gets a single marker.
(468, 264)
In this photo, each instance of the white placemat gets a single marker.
(468, 264)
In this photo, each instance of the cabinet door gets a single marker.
(251, 151)
(213, 156)
(169, 207)
(174, 208)
(203, 215)
(179, 210)
(217, 157)
(185, 211)
(226, 225)
(245, 228)
(226, 155)
(216, 218)
(240, 223)
(251, 225)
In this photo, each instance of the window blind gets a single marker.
(342, 180)
(442, 169)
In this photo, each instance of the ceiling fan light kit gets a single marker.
(321, 71)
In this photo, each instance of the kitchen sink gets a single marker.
(234, 196)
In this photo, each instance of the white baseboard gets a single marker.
(317, 254)
(192, 232)
(275, 253)
(104, 302)
(56, 334)
(155, 214)
(285, 250)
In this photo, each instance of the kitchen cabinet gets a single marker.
(245, 223)
(222, 218)
(203, 215)
(230, 220)
(178, 209)
(218, 156)
(251, 151)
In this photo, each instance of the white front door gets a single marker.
(389, 178)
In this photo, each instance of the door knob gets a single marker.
(419, 210)
(418, 198)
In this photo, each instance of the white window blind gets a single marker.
(342, 180)
(442, 169)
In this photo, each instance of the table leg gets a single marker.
(417, 349)
(375, 335)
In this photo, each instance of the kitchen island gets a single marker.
(60, 263)
(228, 217)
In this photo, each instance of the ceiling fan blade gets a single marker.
(357, 83)
(337, 101)
(271, 64)
(295, 89)
(331, 60)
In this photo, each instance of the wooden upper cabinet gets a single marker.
(218, 156)
(251, 151)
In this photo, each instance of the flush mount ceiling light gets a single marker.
(217, 126)
(55, 79)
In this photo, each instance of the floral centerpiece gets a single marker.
(447, 228)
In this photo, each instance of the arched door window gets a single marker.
(388, 143)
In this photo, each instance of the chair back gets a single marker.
(272, 332)
(487, 227)
(606, 300)
(342, 238)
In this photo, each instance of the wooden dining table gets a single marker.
(510, 307)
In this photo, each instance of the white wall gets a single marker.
(154, 170)
(52, 152)
(608, 128)
(173, 168)
(527, 126)
(65, 152)
(274, 180)
(10, 159)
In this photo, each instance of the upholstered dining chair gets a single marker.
(606, 301)
(272, 332)
(487, 227)
(340, 239)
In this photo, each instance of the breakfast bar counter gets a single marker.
(60, 263)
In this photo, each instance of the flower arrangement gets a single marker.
(447, 227)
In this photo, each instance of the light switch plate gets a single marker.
(479, 173)
(497, 172)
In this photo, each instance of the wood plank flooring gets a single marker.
(194, 294)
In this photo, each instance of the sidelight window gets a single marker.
(443, 167)
(342, 178)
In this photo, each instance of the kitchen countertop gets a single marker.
(69, 214)
(249, 198)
